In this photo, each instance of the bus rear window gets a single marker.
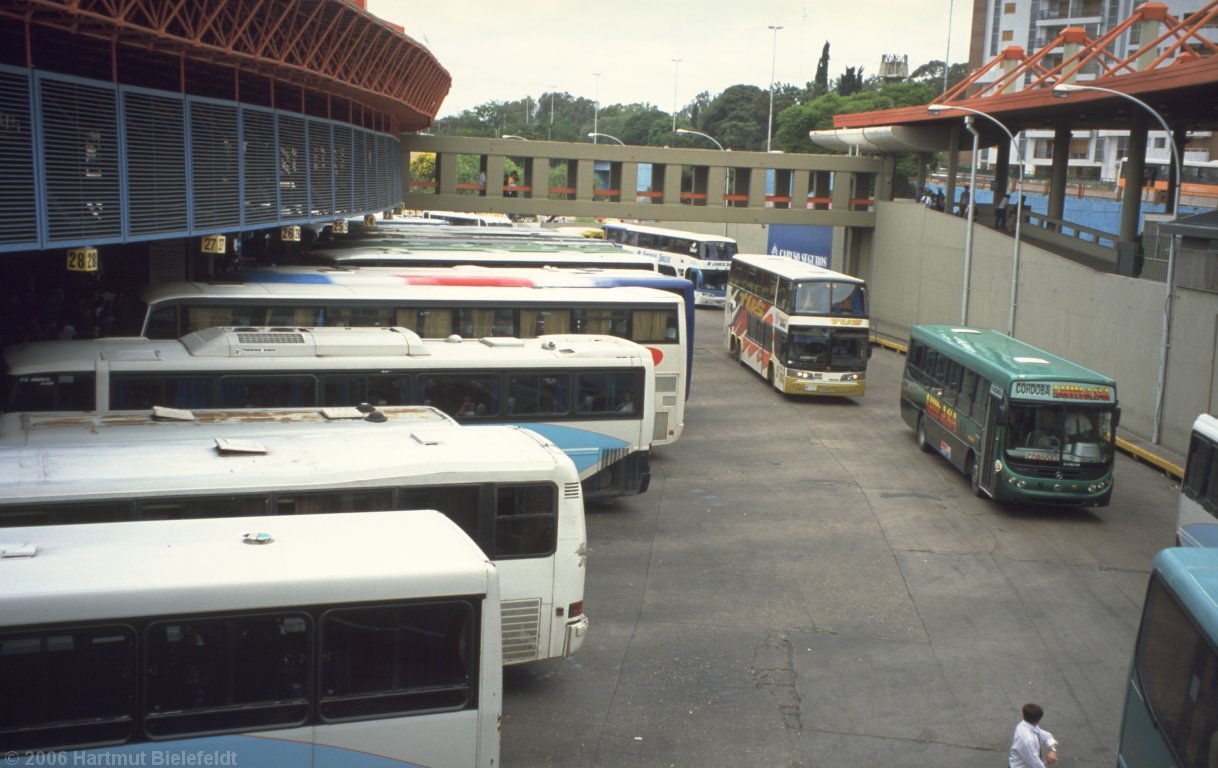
(56, 392)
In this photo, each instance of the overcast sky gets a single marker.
(499, 50)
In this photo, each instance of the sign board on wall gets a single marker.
(812, 244)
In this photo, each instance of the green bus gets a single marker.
(1021, 423)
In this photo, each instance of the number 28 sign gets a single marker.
(82, 259)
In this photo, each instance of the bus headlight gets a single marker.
(849, 376)
(801, 374)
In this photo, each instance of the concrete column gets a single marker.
(920, 182)
(1002, 170)
(799, 189)
(883, 180)
(953, 166)
(672, 183)
(716, 181)
(629, 182)
(843, 190)
(1061, 168)
(446, 172)
(1131, 200)
(585, 177)
(537, 176)
(1149, 28)
(757, 188)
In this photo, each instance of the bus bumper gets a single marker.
(576, 631)
(1070, 493)
(797, 386)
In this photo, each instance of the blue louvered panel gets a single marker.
(18, 203)
(343, 202)
(80, 160)
(321, 169)
(215, 181)
(155, 132)
(359, 169)
(261, 197)
(293, 168)
(381, 173)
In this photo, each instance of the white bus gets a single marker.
(470, 302)
(1197, 521)
(704, 260)
(384, 252)
(804, 328)
(344, 640)
(513, 492)
(593, 396)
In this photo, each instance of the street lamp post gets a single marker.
(773, 63)
(1063, 91)
(726, 181)
(676, 66)
(936, 109)
(596, 103)
(594, 136)
(550, 130)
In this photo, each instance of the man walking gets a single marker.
(1032, 746)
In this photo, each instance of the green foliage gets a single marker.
(423, 167)
(820, 84)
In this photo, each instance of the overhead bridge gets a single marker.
(610, 180)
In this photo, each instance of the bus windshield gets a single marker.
(827, 348)
(825, 298)
(1060, 433)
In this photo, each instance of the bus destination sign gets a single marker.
(1057, 391)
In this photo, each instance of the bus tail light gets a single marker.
(575, 610)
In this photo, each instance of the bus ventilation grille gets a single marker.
(666, 383)
(571, 490)
(270, 338)
(521, 627)
(661, 429)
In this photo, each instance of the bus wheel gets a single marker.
(736, 350)
(922, 443)
(973, 469)
(769, 374)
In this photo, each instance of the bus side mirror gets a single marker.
(1116, 418)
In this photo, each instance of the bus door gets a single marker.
(989, 442)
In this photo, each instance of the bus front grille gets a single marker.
(521, 630)
(661, 428)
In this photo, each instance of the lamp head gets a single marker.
(936, 109)
(1063, 90)
(682, 130)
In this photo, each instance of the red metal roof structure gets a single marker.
(1176, 72)
(327, 58)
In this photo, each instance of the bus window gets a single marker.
(61, 392)
(396, 659)
(538, 322)
(605, 392)
(204, 506)
(284, 391)
(461, 395)
(525, 521)
(848, 299)
(1197, 471)
(536, 394)
(315, 502)
(80, 683)
(611, 322)
(812, 298)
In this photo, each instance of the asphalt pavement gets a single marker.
(801, 586)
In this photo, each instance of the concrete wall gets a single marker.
(1110, 323)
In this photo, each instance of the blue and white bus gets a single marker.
(592, 396)
(356, 639)
(1171, 697)
(704, 260)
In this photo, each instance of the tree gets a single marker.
(820, 83)
(737, 117)
(850, 82)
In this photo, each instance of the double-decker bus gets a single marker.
(513, 492)
(702, 259)
(1197, 517)
(1023, 424)
(469, 302)
(1171, 697)
(593, 396)
(362, 639)
(803, 328)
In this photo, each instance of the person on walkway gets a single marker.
(1032, 746)
(1000, 211)
(962, 206)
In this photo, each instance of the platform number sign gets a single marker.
(82, 259)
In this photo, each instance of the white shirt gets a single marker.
(1027, 744)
